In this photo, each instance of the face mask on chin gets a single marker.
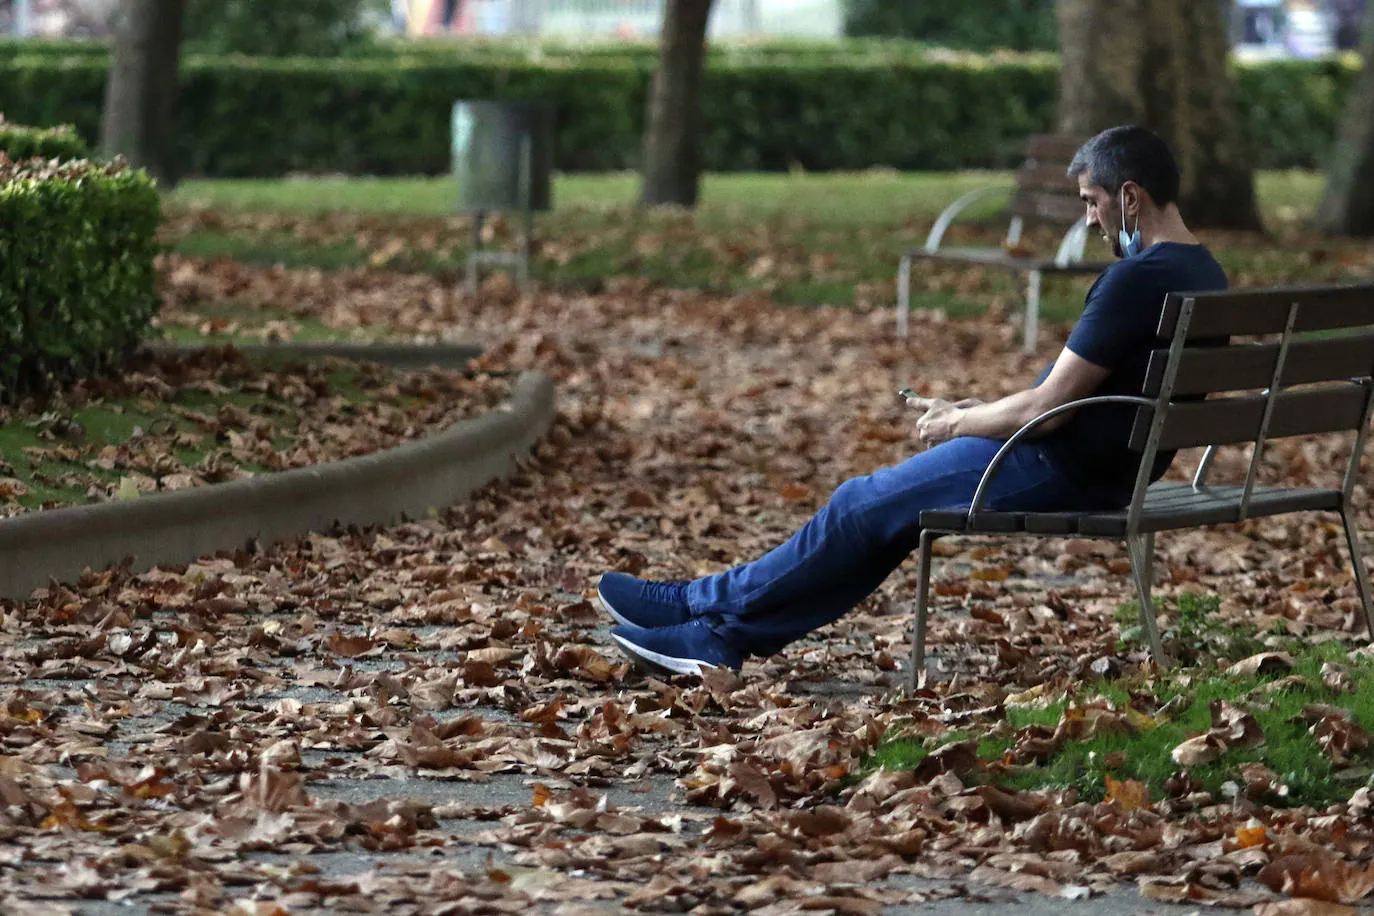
(1129, 245)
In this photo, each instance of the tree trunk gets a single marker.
(1161, 64)
(1347, 207)
(141, 88)
(672, 141)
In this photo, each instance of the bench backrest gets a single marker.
(1319, 338)
(1044, 193)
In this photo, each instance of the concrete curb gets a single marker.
(179, 526)
(396, 355)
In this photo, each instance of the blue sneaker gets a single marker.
(683, 649)
(642, 603)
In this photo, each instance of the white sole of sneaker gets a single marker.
(663, 663)
(606, 606)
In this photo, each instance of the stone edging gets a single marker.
(178, 526)
(395, 355)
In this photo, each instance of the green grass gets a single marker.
(1289, 750)
(802, 239)
(224, 323)
(851, 198)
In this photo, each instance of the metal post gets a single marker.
(1032, 329)
(23, 18)
(475, 254)
(1140, 565)
(904, 295)
(1352, 538)
(917, 677)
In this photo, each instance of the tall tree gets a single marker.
(672, 141)
(1347, 207)
(141, 88)
(1161, 64)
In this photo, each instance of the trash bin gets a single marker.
(502, 160)
(502, 155)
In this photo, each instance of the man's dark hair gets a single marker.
(1129, 153)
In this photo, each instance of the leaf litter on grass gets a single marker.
(194, 714)
(174, 421)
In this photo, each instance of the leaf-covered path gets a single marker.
(261, 730)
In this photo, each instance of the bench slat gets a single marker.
(1050, 177)
(1055, 147)
(1045, 205)
(1226, 421)
(1321, 308)
(1167, 506)
(1211, 506)
(998, 257)
(1204, 370)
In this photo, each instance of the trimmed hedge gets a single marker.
(851, 105)
(20, 143)
(1026, 25)
(77, 283)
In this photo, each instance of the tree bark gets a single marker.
(1161, 64)
(1347, 207)
(672, 141)
(141, 88)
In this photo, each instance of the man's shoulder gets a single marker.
(1166, 265)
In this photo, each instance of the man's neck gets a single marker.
(1166, 226)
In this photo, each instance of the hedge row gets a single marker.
(389, 114)
(77, 292)
(20, 143)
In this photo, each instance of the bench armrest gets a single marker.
(995, 464)
(937, 232)
(1072, 245)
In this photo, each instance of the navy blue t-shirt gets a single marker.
(1117, 332)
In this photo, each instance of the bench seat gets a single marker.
(1168, 506)
(1000, 257)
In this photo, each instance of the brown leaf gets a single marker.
(1011, 807)
(1263, 663)
(1199, 750)
(349, 646)
(1303, 906)
(957, 758)
(1130, 794)
(1319, 875)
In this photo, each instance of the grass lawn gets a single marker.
(850, 198)
(805, 239)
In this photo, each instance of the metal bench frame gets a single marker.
(1139, 529)
(1068, 259)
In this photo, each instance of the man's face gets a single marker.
(1104, 213)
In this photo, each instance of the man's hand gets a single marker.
(938, 423)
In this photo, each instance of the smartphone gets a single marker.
(907, 393)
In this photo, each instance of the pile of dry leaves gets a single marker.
(164, 730)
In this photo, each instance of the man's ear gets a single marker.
(1135, 199)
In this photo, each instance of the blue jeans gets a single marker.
(846, 550)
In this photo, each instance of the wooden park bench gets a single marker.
(1043, 193)
(1304, 368)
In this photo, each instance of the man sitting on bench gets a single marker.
(1129, 182)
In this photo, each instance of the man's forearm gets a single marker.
(1001, 418)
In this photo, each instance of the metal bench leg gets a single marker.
(1140, 547)
(1032, 328)
(904, 295)
(1352, 538)
(917, 678)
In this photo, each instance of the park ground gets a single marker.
(428, 718)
